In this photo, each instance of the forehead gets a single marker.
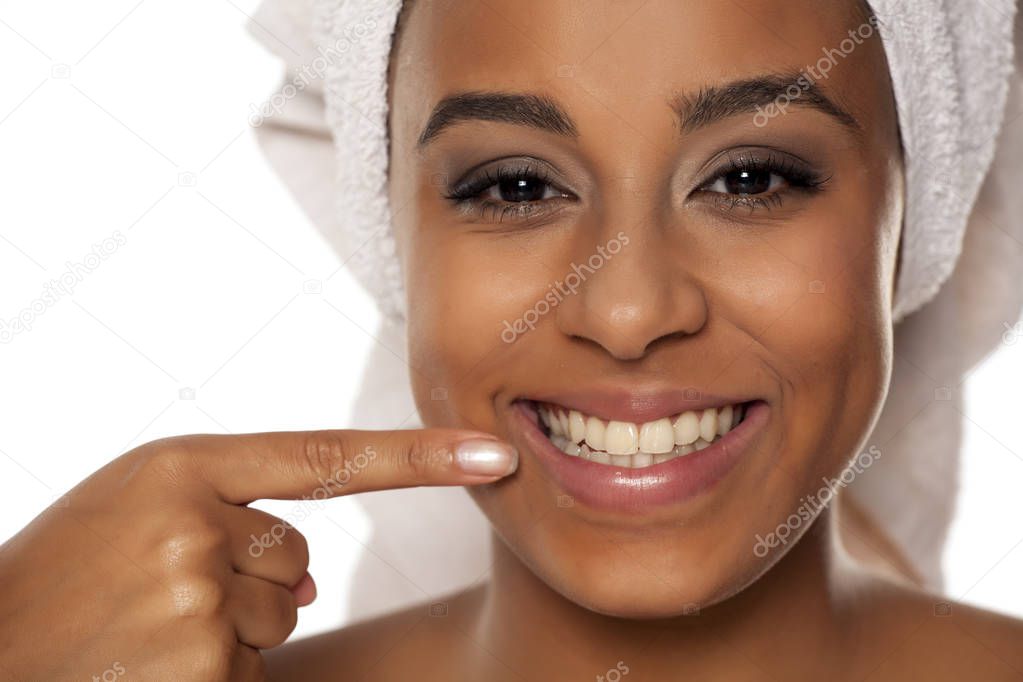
(629, 56)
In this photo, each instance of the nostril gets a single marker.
(666, 339)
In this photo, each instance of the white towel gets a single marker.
(951, 62)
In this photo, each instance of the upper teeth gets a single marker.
(630, 444)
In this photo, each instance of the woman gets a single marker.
(654, 266)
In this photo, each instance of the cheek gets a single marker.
(827, 330)
(827, 313)
(464, 291)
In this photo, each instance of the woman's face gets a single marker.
(636, 213)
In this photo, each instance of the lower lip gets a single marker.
(606, 487)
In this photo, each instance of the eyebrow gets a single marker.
(531, 110)
(756, 95)
(693, 111)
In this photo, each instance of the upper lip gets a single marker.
(637, 405)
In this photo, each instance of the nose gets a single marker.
(634, 292)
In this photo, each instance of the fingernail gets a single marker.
(482, 457)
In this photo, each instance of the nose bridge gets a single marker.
(632, 288)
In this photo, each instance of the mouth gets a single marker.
(636, 446)
(634, 453)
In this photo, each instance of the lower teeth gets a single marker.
(636, 461)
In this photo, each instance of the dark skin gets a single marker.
(712, 292)
(760, 263)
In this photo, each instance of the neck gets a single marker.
(800, 602)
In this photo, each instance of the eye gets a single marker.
(747, 182)
(520, 188)
(753, 180)
(518, 192)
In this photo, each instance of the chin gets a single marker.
(656, 574)
(642, 596)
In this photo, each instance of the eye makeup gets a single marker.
(758, 178)
(519, 189)
(514, 189)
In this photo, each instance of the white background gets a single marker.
(132, 116)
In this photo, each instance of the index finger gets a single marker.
(321, 464)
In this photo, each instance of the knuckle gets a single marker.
(171, 445)
(420, 458)
(325, 454)
(198, 596)
(166, 458)
(193, 536)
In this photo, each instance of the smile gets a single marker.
(635, 451)
(635, 446)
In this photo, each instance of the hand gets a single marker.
(154, 568)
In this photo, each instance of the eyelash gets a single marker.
(465, 195)
(797, 177)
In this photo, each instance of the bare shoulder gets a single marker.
(426, 641)
(922, 636)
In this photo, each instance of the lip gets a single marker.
(637, 491)
(644, 405)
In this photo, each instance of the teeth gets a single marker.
(595, 433)
(725, 420)
(576, 427)
(641, 459)
(621, 438)
(553, 423)
(657, 437)
(629, 445)
(687, 428)
(683, 450)
(563, 421)
(709, 424)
